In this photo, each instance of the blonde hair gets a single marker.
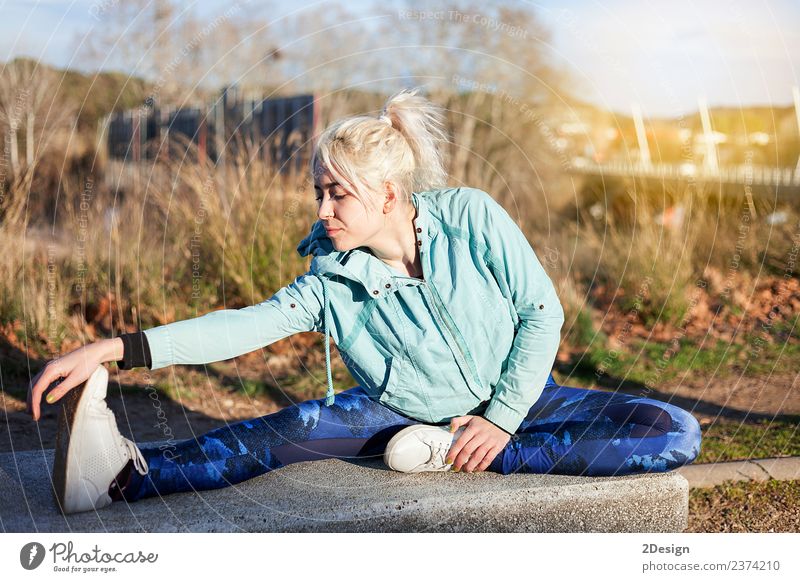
(405, 145)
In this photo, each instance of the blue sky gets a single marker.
(663, 55)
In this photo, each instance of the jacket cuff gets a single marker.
(136, 351)
(500, 427)
(504, 417)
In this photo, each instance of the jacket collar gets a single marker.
(360, 264)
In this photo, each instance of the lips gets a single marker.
(331, 231)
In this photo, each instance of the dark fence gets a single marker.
(279, 130)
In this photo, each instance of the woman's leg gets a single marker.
(354, 426)
(576, 431)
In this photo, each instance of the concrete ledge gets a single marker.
(335, 495)
(711, 474)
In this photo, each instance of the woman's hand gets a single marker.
(478, 445)
(71, 369)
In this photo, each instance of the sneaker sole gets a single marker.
(70, 422)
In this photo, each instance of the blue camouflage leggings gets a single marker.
(568, 431)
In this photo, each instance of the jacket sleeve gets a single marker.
(521, 277)
(227, 333)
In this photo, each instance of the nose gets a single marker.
(325, 208)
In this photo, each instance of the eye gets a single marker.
(334, 196)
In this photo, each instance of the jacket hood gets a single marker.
(316, 242)
(358, 264)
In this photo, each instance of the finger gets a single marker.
(458, 421)
(49, 375)
(65, 386)
(458, 445)
(461, 458)
(477, 457)
(487, 460)
(29, 401)
(455, 448)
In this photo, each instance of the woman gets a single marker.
(440, 310)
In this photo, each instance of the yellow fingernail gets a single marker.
(456, 469)
(50, 398)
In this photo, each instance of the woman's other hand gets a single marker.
(478, 445)
(69, 371)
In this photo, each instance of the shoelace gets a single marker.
(438, 451)
(138, 459)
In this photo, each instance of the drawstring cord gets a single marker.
(329, 395)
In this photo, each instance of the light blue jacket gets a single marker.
(477, 335)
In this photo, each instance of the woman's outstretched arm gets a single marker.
(227, 333)
(136, 351)
(219, 335)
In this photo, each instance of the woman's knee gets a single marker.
(653, 419)
(688, 432)
(683, 434)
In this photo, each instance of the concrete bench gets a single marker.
(361, 495)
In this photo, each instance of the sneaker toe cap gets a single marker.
(406, 455)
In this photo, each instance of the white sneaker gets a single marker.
(420, 447)
(90, 451)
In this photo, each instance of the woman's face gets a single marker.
(349, 225)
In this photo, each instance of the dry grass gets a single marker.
(770, 506)
(188, 237)
(184, 240)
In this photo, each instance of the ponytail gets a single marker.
(406, 144)
(422, 124)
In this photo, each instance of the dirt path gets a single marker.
(731, 398)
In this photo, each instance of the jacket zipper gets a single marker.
(460, 354)
(432, 299)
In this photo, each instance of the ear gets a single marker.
(392, 196)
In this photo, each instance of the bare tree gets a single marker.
(183, 55)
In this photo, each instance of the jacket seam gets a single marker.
(486, 255)
(360, 323)
(503, 412)
(169, 357)
(485, 252)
